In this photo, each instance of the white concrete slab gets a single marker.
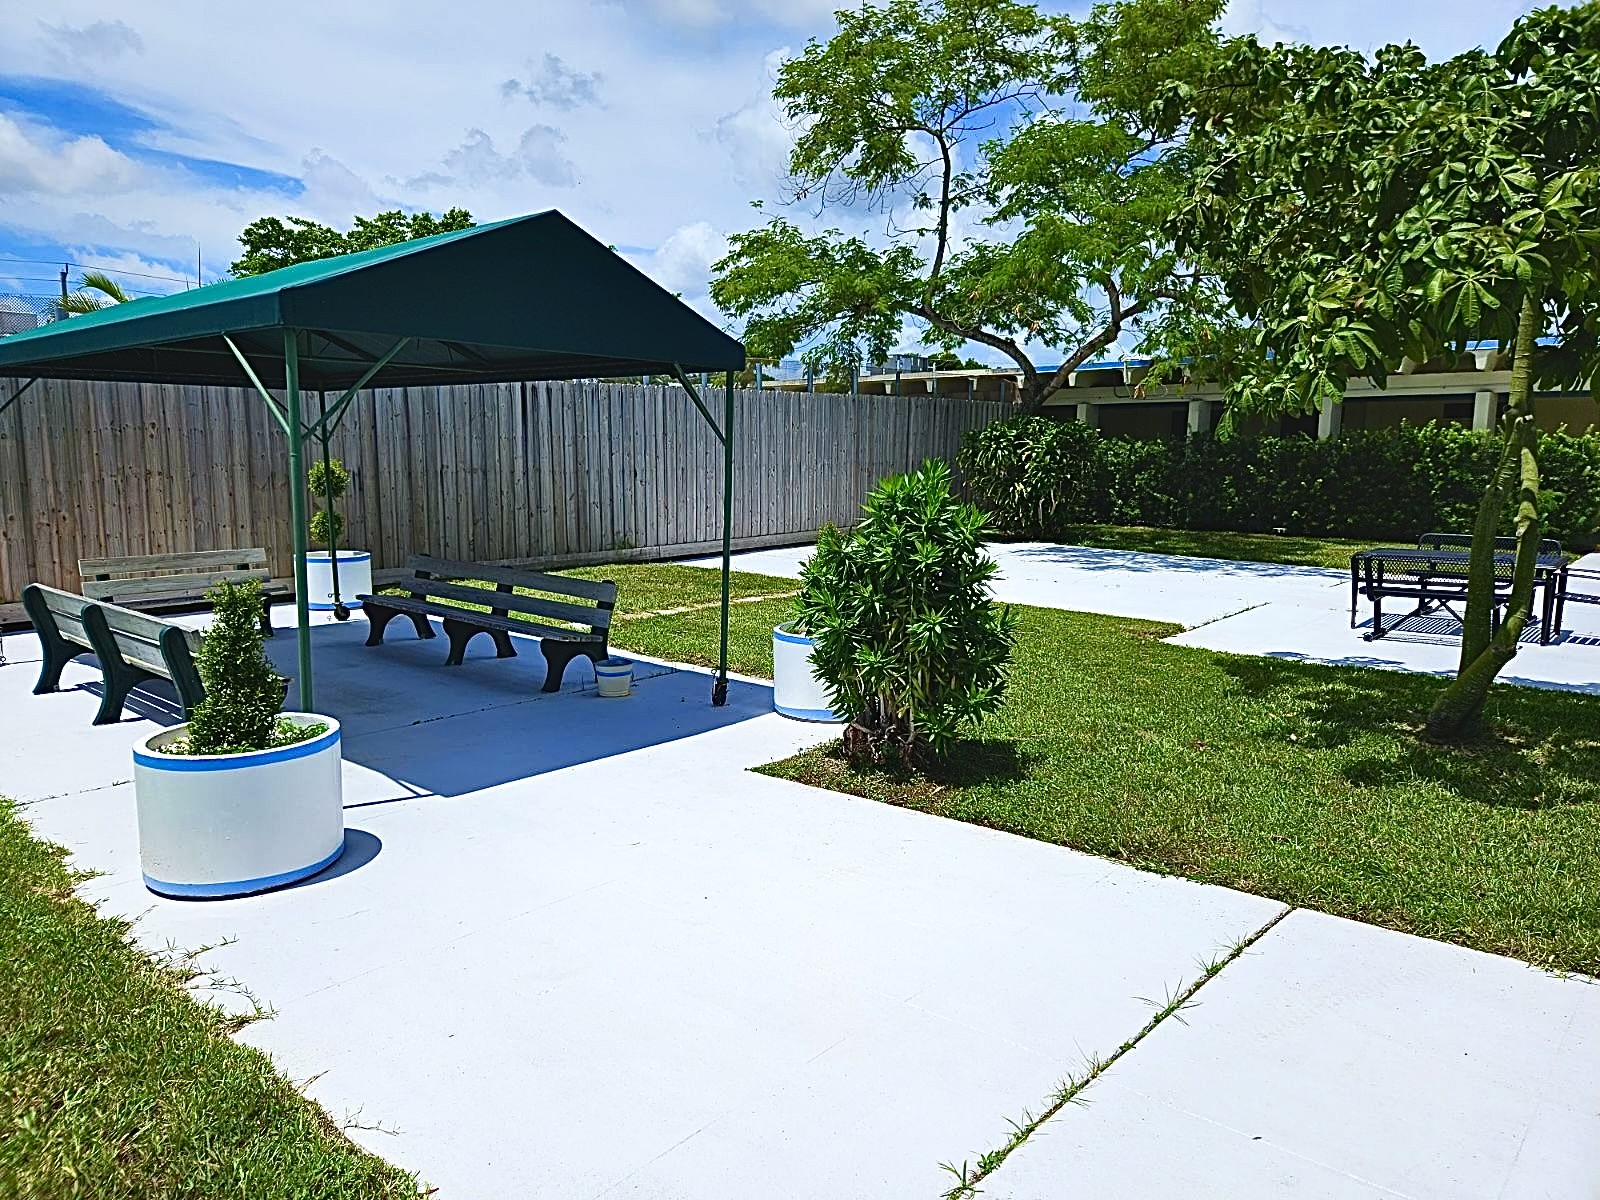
(575, 948)
(1154, 587)
(1335, 1059)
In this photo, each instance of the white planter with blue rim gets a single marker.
(796, 690)
(355, 578)
(213, 825)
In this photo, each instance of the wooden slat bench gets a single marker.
(132, 648)
(435, 580)
(174, 581)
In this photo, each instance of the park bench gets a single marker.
(436, 582)
(169, 582)
(1435, 576)
(132, 648)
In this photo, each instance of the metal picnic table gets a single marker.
(1437, 578)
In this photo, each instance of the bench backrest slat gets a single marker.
(594, 617)
(562, 585)
(165, 564)
(154, 588)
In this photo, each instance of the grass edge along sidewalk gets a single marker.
(115, 1082)
(1304, 783)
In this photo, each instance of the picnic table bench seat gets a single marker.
(132, 648)
(439, 587)
(168, 582)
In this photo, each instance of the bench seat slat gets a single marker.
(554, 610)
(562, 585)
(430, 608)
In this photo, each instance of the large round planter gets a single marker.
(796, 690)
(233, 824)
(355, 578)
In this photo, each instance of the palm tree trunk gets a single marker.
(1458, 713)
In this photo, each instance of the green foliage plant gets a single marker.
(273, 242)
(243, 693)
(1360, 210)
(908, 642)
(327, 481)
(1027, 203)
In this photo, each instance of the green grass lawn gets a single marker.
(1244, 547)
(1300, 782)
(115, 1083)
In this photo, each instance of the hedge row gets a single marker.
(1038, 475)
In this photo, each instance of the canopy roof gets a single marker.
(533, 297)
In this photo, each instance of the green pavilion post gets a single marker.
(297, 511)
(719, 690)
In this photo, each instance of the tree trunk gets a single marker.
(1458, 713)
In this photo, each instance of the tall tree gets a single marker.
(1362, 210)
(273, 242)
(1025, 202)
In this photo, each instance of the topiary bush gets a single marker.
(1036, 476)
(909, 644)
(327, 481)
(243, 693)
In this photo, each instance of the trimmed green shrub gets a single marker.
(327, 482)
(1036, 476)
(243, 693)
(909, 644)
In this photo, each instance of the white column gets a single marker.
(1089, 414)
(1199, 417)
(1329, 420)
(1483, 410)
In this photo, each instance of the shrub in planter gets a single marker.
(327, 481)
(244, 695)
(909, 643)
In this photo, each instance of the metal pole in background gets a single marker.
(297, 511)
(719, 690)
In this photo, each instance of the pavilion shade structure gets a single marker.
(531, 298)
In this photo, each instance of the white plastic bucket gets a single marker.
(232, 824)
(613, 677)
(796, 690)
(355, 578)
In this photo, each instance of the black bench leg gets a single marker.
(1377, 619)
(120, 679)
(459, 635)
(58, 652)
(502, 644)
(556, 656)
(420, 623)
(378, 619)
(266, 616)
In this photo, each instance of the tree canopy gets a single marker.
(1025, 199)
(273, 242)
(1359, 211)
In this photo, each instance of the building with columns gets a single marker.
(1117, 398)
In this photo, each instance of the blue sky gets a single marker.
(136, 137)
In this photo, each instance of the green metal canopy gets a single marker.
(530, 298)
(534, 297)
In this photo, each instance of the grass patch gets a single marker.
(116, 1083)
(1237, 547)
(692, 637)
(1300, 782)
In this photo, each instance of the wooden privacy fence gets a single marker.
(537, 472)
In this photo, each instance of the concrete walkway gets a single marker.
(576, 949)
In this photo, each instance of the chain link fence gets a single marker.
(19, 312)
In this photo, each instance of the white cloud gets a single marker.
(1440, 29)
(36, 160)
(756, 136)
(537, 156)
(550, 81)
(682, 263)
(708, 14)
(98, 39)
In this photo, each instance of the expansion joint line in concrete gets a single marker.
(1224, 617)
(969, 1176)
(689, 608)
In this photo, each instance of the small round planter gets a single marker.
(355, 578)
(613, 677)
(796, 690)
(213, 825)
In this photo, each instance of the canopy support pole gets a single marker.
(17, 395)
(719, 690)
(297, 511)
